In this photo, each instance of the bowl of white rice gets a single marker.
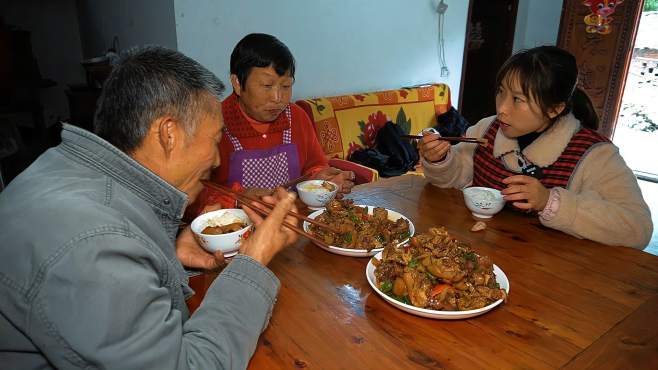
(483, 202)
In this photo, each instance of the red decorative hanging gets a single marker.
(599, 20)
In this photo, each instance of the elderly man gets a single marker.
(89, 274)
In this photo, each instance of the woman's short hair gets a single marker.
(261, 50)
(147, 83)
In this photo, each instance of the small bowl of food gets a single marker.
(483, 202)
(223, 230)
(316, 193)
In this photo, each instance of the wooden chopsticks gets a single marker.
(290, 226)
(455, 139)
(246, 200)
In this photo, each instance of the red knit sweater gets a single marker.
(311, 156)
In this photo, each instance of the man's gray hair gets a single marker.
(148, 83)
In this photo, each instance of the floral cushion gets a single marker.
(350, 122)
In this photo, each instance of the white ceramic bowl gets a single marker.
(314, 195)
(228, 243)
(483, 202)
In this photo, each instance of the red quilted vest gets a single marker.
(490, 171)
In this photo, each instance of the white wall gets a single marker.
(537, 23)
(55, 44)
(341, 46)
(134, 23)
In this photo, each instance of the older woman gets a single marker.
(267, 141)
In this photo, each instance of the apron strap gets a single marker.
(287, 133)
(234, 140)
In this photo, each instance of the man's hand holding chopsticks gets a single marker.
(271, 236)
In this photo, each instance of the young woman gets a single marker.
(545, 155)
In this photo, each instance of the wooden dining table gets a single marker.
(572, 303)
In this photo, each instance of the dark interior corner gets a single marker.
(27, 128)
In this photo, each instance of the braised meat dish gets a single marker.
(224, 229)
(358, 229)
(437, 272)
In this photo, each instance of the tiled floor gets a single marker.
(650, 193)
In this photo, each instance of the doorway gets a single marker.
(636, 133)
(489, 43)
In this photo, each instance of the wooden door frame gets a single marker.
(465, 54)
(467, 37)
(606, 79)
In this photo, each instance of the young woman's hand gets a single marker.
(432, 149)
(525, 192)
(271, 236)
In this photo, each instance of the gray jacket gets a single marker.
(89, 277)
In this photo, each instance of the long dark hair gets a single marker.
(549, 75)
(261, 50)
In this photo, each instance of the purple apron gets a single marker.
(264, 168)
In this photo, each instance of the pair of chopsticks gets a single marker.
(247, 200)
(454, 139)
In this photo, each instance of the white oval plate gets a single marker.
(501, 279)
(392, 215)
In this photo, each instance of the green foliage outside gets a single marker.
(650, 5)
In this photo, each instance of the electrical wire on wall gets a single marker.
(441, 8)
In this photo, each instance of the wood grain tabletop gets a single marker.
(573, 303)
